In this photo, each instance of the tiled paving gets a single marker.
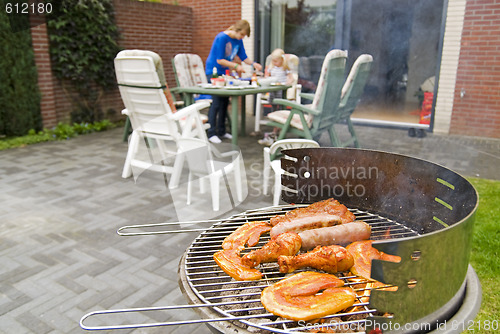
(62, 203)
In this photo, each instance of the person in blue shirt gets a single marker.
(226, 46)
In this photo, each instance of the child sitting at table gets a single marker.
(278, 68)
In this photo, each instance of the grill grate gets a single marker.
(234, 299)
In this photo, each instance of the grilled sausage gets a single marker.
(342, 234)
(320, 214)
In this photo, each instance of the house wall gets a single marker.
(209, 18)
(470, 58)
(163, 28)
(449, 65)
(40, 41)
(477, 112)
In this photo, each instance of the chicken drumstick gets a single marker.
(331, 259)
(283, 244)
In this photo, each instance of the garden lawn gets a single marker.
(485, 254)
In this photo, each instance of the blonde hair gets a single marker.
(277, 54)
(241, 26)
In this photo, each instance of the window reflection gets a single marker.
(404, 38)
(305, 28)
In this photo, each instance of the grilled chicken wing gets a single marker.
(307, 295)
(248, 233)
(229, 261)
(320, 214)
(363, 254)
(331, 259)
(283, 244)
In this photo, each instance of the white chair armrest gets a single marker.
(219, 154)
(267, 156)
(195, 107)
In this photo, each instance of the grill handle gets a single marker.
(264, 213)
(95, 314)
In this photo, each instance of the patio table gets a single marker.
(233, 92)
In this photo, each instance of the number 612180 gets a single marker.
(28, 8)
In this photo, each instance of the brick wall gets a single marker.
(163, 28)
(40, 42)
(209, 18)
(477, 113)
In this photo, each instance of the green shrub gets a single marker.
(60, 132)
(83, 43)
(19, 94)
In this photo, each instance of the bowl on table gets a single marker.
(218, 82)
(267, 81)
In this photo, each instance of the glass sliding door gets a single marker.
(403, 36)
(302, 27)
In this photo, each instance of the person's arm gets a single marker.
(290, 78)
(256, 65)
(229, 64)
(237, 67)
(243, 56)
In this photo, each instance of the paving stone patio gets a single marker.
(62, 203)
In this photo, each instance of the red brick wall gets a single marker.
(209, 18)
(478, 112)
(40, 42)
(165, 29)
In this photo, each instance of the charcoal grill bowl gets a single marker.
(432, 200)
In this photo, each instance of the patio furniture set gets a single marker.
(164, 137)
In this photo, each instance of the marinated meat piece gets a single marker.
(335, 235)
(331, 259)
(330, 206)
(363, 254)
(320, 214)
(307, 295)
(229, 261)
(283, 244)
(248, 233)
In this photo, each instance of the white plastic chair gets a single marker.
(205, 161)
(311, 120)
(292, 93)
(154, 119)
(272, 160)
(351, 94)
(189, 71)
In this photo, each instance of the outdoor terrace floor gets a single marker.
(62, 202)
